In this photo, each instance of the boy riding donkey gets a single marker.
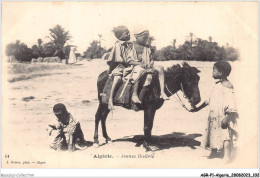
(140, 57)
(134, 58)
(117, 60)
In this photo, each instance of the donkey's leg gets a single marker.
(103, 124)
(97, 119)
(101, 113)
(149, 113)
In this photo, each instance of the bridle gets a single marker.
(184, 95)
(178, 99)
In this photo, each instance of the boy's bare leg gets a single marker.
(135, 98)
(161, 80)
(71, 146)
(227, 151)
(110, 101)
(79, 142)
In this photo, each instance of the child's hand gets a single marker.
(52, 126)
(193, 110)
(196, 109)
(143, 65)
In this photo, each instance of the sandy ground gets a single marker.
(29, 104)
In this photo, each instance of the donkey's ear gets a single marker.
(197, 70)
(185, 64)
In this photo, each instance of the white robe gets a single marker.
(72, 57)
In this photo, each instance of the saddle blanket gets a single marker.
(145, 93)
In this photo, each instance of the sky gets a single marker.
(226, 22)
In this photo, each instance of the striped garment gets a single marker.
(59, 135)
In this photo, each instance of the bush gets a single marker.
(94, 50)
(200, 50)
(231, 54)
(20, 51)
(48, 49)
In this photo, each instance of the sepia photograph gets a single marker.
(129, 85)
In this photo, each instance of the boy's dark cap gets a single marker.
(142, 34)
(59, 108)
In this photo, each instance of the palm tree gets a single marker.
(191, 40)
(174, 43)
(18, 50)
(210, 38)
(39, 49)
(39, 42)
(227, 45)
(99, 44)
(99, 41)
(59, 38)
(35, 51)
(185, 51)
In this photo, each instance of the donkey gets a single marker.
(184, 78)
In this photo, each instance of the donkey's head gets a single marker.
(190, 83)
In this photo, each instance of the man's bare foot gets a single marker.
(164, 96)
(111, 106)
(135, 99)
(226, 159)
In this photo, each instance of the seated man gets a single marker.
(65, 132)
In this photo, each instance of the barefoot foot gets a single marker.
(111, 106)
(164, 96)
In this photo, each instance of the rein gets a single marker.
(178, 99)
(183, 91)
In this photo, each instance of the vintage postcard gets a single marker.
(129, 85)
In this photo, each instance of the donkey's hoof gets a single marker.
(153, 148)
(95, 145)
(148, 148)
(109, 142)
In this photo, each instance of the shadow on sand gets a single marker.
(84, 145)
(175, 139)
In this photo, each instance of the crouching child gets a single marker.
(65, 133)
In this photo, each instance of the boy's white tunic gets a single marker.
(221, 102)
